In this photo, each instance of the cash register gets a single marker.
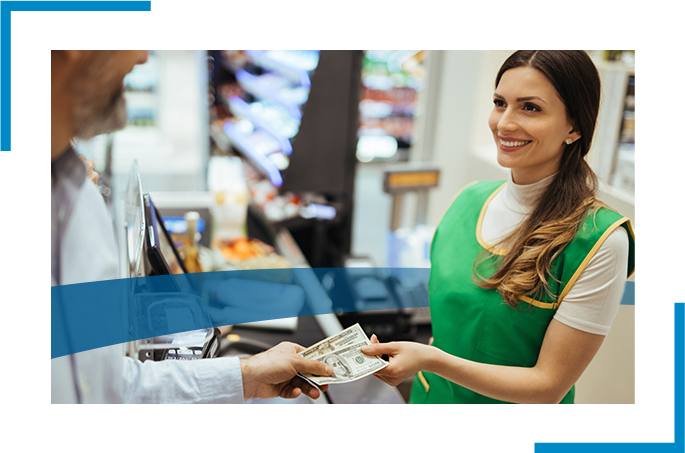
(151, 252)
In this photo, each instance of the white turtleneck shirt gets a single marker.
(592, 302)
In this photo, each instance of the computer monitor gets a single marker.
(163, 259)
(161, 252)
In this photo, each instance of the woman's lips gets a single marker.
(511, 144)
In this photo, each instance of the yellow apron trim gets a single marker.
(590, 255)
(537, 303)
(632, 233)
(479, 226)
(423, 381)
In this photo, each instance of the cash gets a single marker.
(342, 352)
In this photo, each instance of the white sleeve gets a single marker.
(217, 380)
(592, 303)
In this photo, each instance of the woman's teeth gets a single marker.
(513, 144)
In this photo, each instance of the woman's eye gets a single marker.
(531, 108)
(498, 103)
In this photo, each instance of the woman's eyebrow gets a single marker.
(523, 99)
(530, 98)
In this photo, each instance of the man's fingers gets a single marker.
(314, 367)
(290, 392)
(298, 348)
(308, 389)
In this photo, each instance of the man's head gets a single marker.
(87, 92)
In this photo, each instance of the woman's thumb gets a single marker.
(374, 349)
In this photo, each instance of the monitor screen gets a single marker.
(163, 240)
(162, 254)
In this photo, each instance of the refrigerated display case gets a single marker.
(391, 81)
(293, 117)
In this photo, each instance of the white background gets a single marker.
(174, 24)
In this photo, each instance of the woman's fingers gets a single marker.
(382, 378)
(379, 349)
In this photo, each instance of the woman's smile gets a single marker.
(508, 144)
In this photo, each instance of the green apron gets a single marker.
(475, 323)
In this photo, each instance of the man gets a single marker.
(87, 100)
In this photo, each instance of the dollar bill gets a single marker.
(342, 352)
(353, 334)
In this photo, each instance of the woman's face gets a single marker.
(529, 125)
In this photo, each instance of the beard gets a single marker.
(99, 104)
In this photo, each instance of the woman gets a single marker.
(527, 274)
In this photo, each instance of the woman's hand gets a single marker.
(406, 359)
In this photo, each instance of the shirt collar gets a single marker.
(522, 198)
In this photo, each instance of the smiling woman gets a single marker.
(526, 274)
(553, 111)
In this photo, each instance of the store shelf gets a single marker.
(256, 86)
(238, 139)
(241, 108)
(388, 105)
(305, 104)
(268, 60)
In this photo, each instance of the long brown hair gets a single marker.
(525, 269)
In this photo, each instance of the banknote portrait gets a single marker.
(340, 366)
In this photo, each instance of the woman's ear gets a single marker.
(574, 135)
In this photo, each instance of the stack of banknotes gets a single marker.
(342, 352)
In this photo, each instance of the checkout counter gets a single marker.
(249, 338)
(326, 140)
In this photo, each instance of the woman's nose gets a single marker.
(507, 122)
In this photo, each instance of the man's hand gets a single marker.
(273, 373)
(90, 169)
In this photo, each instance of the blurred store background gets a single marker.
(355, 154)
